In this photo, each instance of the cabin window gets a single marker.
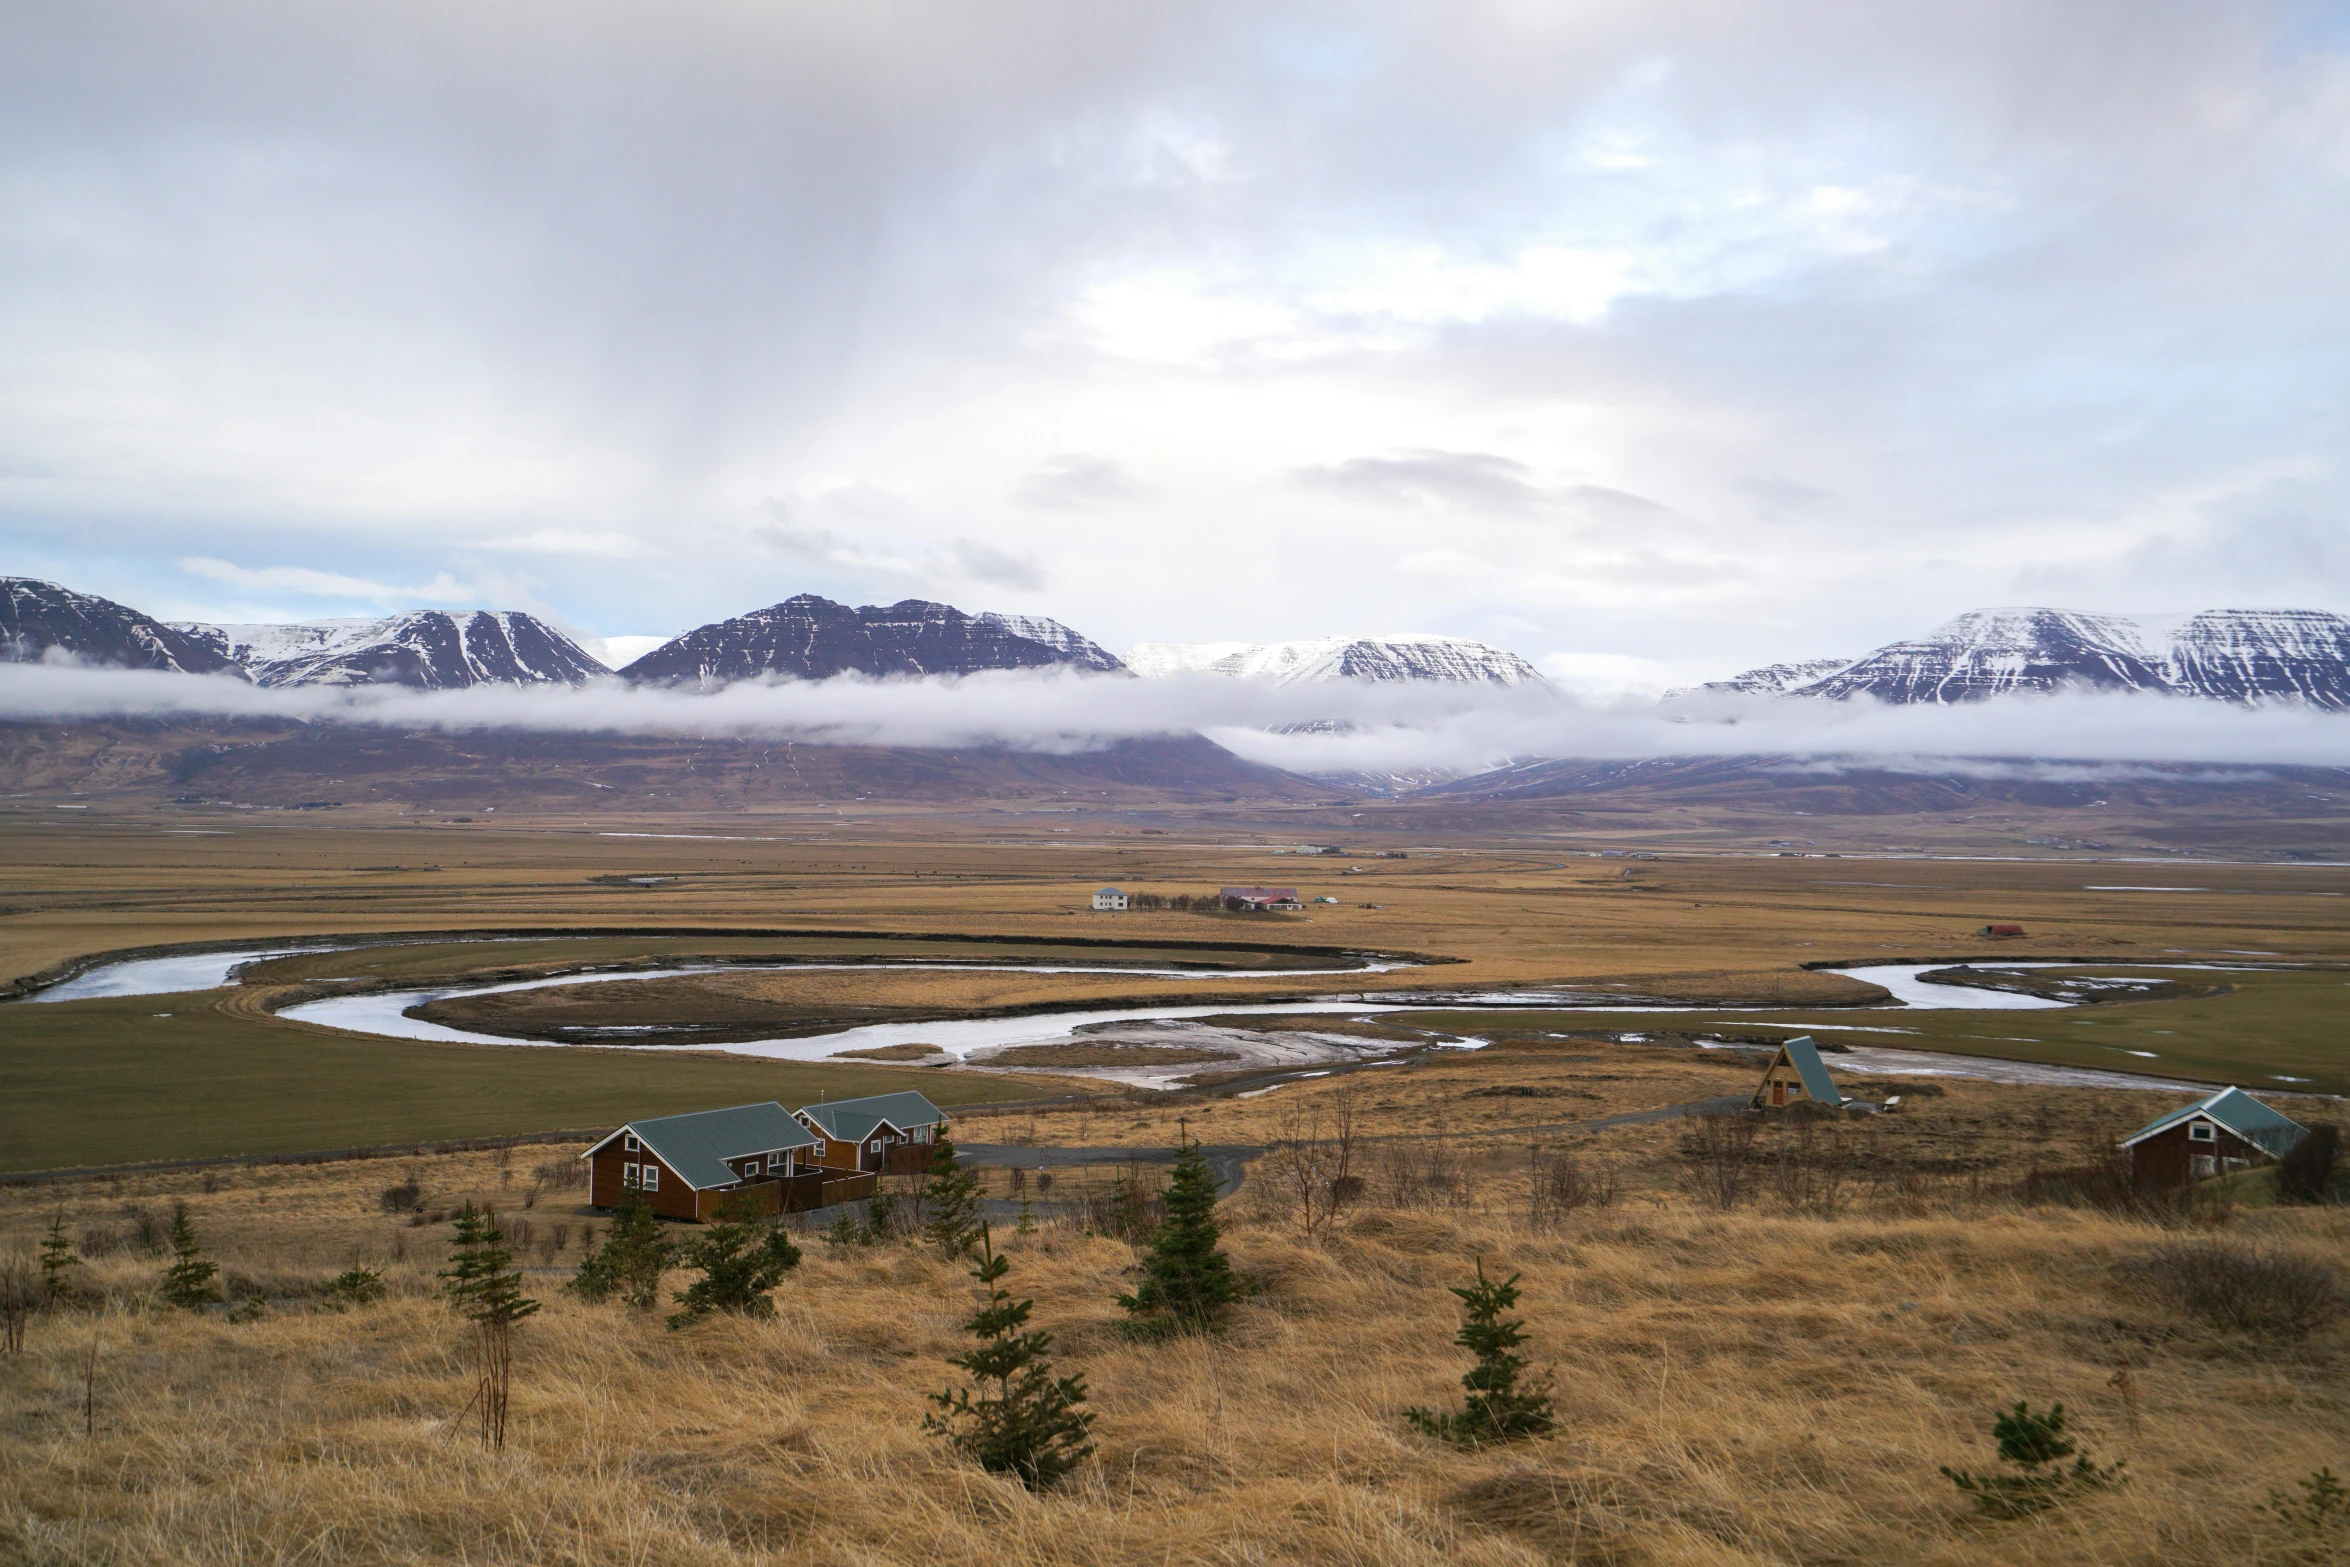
(628, 1143)
(875, 1145)
(628, 1177)
(650, 1176)
(817, 1152)
(2202, 1132)
(776, 1161)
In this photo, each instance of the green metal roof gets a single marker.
(2240, 1113)
(698, 1145)
(1804, 1055)
(853, 1120)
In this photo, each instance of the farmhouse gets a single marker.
(690, 1166)
(1796, 1075)
(1259, 899)
(2227, 1131)
(887, 1134)
(1109, 898)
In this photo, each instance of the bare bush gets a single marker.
(20, 1292)
(2252, 1289)
(561, 1175)
(1810, 1168)
(1563, 1184)
(1313, 1173)
(407, 1197)
(1718, 1151)
(2306, 1173)
(1412, 1174)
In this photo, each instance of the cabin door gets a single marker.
(1778, 1093)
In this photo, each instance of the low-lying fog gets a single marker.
(1354, 727)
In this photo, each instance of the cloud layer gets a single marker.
(1361, 728)
(1691, 335)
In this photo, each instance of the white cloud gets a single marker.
(323, 584)
(573, 541)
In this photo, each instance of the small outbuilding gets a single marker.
(2216, 1135)
(2000, 930)
(1795, 1075)
(1109, 898)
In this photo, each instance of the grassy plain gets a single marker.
(107, 1082)
(1769, 1383)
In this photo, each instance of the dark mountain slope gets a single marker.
(39, 618)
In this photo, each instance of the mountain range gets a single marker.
(810, 638)
(428, 649)
(2232, 655)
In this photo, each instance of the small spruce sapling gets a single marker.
(187, 1283)
(951, 1198)
(1497, 1409)
(486, 1289)
(1019, 1419)
(2034, 1444)
(630, 1261)
(737, 1264)
(1187, 1281)
(59, 1283)
(356, 1286)
(2322, 1508)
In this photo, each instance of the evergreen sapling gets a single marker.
(951, 1197)
(738, 1267)
(58, 1261)
(187, 1283)
(1187, 1281)
(630, 1260)
(486, 1289)
(2034, 1444)
(1497, 1409)
(1019, 1419)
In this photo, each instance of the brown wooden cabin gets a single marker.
(691, 1166)
(2217, 1135)
(884, 1134)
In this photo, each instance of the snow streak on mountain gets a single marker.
(1080, 649)
(42, 620)
(2236, 655)
(811, 638)
(1337, 658)
(430, 650)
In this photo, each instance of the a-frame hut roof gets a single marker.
(1803, 1054)
(2240, 1113)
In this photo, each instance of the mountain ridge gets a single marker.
(1315, 660)
(427, 650)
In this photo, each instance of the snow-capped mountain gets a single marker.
(1337, 658)
(810, 638)
(2239, 655)
(428, 649)
(1773, 679)
(1079, 649)
(40, 619)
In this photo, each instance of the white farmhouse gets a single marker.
(1109, 898)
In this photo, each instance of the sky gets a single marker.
(1649, 340)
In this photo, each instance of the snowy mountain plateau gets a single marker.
(2234, 655)
(807, 637)
(1394, 658)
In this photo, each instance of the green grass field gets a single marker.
(140, 1078)
(2276, 1030)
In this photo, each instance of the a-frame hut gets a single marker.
(1795, 1074)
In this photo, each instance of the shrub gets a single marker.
(2251, 1289)
(1497, 1409)
(738, 1268)
(951, 1198)
(2031, 1443)
(58, 1262)
(1718, 1150)
(483, 1286)
(355, 1286)
(2306, 1173)
(631, 1260)
(2322, 1508)
(20, 1292)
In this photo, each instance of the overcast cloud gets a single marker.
(1649, 340)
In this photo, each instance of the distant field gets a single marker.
(170, 1077)
(108, 1081)
(2282, 1031)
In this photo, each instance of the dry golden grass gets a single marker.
(1759, 1386)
